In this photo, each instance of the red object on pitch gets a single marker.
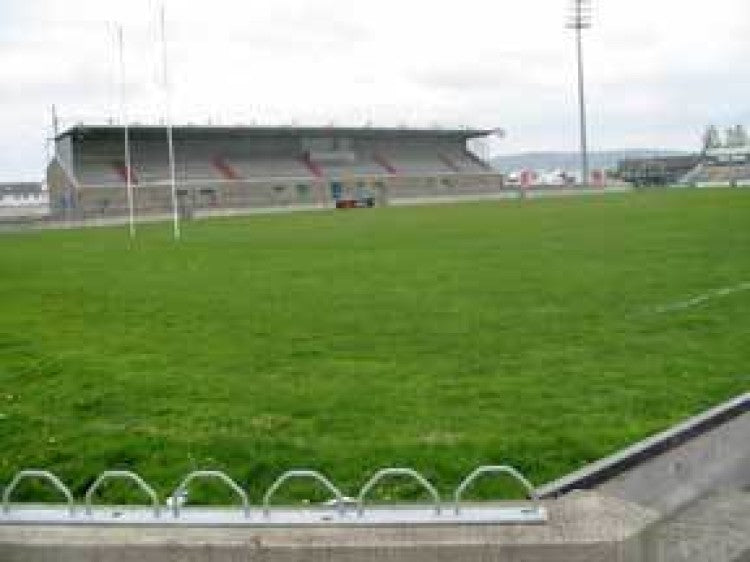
(527, 176)
(597, 178)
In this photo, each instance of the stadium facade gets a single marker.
(260, 167)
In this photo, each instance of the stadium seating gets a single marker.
(464, 162)
(223, 159)
(272, 168)
(663, 170)
(226, 169)
(716, 174)
(418, 161)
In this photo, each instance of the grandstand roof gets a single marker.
(143, 131)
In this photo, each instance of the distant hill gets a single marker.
(571, 161)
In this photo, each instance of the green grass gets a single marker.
(439, 338)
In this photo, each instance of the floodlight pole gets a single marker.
(580, 20)
(126, 128)
(55, 121)
(168, 123)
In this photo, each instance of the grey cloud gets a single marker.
(428, 62)
(459, 78)
(508, 71)
(81, 92)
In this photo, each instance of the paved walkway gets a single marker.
(713, 529)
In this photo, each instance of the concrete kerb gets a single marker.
(675, 467)
(582, 526)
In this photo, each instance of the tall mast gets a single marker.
(126, 129)
(168, 123)
(581, 19)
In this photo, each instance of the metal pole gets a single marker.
(582, 111)
(112, 84)
(580, 20)
(126, 128)
(168, 123)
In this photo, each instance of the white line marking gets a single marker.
(700, 299)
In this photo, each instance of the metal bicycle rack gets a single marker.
(536, 510)
(340, 511)
(122, 474)
(387, 472)
(204, 474)
(39, 474)
(310, 475)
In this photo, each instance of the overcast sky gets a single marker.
(657, 70)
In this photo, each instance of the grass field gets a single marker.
(539, 333)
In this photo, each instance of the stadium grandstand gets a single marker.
(224, 168)
(724, 162)
(665, 170)
(721, 162)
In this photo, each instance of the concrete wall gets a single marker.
(92, 202)
(676, 467)
(582, 527)
(717, 459)
(715, 528)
